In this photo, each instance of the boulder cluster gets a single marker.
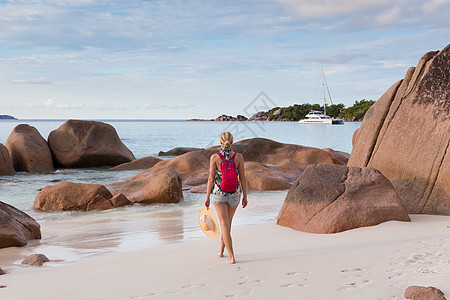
(400, 162)
(75, 144)
(269, 165)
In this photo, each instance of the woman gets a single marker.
(226, 203)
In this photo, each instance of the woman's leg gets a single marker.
(231, 211)
(225, 224)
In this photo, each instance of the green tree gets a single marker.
(334, 110)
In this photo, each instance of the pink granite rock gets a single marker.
(36, 260)
(335, 198)
(423, 293)
(29, 151)
(406, 135)
(6, 165)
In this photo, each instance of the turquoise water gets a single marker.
(70, 236)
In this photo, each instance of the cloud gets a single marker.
(40, 80)
(80, 105)
(331, 8)
(51, 103)
(154, 106)
(181, 106)
(47, 104)
(370, 13)
(344, 58)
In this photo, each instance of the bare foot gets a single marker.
(231, 260)
(220, 254)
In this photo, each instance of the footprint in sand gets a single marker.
(193, 285)
(288, 285)
(397, 274)
(2, 286)
(427, 271)
(250, 282)
(352, 270)
(297, 273)
(352, 285)
(143, 296)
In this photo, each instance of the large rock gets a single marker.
(269, 165)
(82, 144)
(406, 135)
(416, 292)
(161, 187)
(6, 165)
(263, 178)
(16, 227)
(29, 151)
(335, 198)
(138, 164)
(77, 196)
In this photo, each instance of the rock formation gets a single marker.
(29, 151)
(6, 165)
(260, 116)
(16, 227)
(334, 198)
(36, 260)
(138, 164)
(160, 187)
(177, 151)
(406, 135)
(270, 165)
(78, 197)
(423, 293)
(231, 118)
(81, 144)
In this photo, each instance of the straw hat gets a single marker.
(208, 223)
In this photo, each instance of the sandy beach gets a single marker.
(273, 262)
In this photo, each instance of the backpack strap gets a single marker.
(221, 156)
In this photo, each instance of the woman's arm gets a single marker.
(211, 178)
(241, 168)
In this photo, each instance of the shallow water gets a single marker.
(70, 236)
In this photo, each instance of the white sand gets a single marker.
(273, 262)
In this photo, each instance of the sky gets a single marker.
(94, 59)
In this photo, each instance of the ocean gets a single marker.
(71, 236)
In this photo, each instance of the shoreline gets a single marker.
(377, 262)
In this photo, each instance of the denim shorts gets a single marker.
(232, 201)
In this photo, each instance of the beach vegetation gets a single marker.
(299, 111)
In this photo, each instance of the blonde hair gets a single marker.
(226, 139)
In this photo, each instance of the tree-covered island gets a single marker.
(297, 112)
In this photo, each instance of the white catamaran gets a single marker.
(319, 116)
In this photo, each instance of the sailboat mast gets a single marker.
(323, 87)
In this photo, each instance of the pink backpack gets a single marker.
(229, 174)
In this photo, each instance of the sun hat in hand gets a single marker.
(208, 223)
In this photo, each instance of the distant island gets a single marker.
(296, 112)
(7, 117)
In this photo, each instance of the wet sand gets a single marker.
(273, 262)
